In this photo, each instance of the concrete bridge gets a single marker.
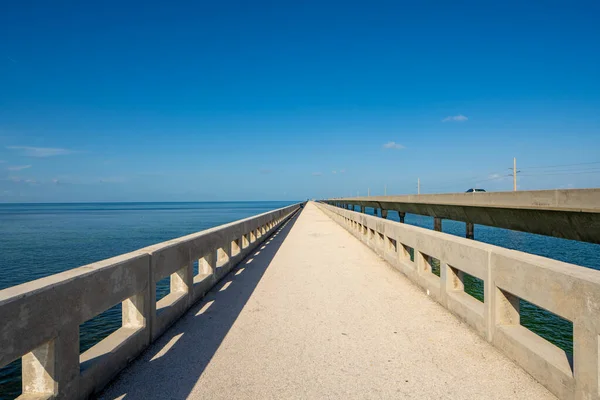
(307, 302)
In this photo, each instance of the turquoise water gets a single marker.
(38, 240)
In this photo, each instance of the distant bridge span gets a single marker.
(569, 214)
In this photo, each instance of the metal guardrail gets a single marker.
(40, 319)
(569, 214)
(569, 291)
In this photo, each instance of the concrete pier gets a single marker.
(470, 230)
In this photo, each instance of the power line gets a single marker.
(576, 170)
(563, 165)
(566, 173)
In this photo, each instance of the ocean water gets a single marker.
(38, 240)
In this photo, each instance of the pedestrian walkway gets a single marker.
(316, 314)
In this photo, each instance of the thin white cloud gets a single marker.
(334, 172)
(342, 171)
(393, 145)
(40, 151)
(11, 59)
(317, 173)
(455, 118)
(2, 161)
(18, 167)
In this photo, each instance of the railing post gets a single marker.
(384, 213)
(586, 354)
(53, 368)
(401, 215)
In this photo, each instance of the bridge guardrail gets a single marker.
(40, 319)
(438, 262)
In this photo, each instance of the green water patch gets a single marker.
(473, 286)
(551, 327)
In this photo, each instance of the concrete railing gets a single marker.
(569, 291)
(40, 319)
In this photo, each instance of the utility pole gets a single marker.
(514, 174)
(368, 192)
(418, 185)
(385, 190)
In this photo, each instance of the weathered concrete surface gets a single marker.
(316, 314)
(570, 213)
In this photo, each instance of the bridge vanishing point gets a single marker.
(308, 301)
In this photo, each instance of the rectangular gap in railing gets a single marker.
(473, 286)
(522, 337)
(103, 350)
(407, 253)
(391, 244)
(371, 234)
(380, 239)
(110, 320)
(547, 325)
(163, 288)
(195, 267)
(171, 288)
(460, 281)
(430, 264)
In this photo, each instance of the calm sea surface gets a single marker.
(38, 240)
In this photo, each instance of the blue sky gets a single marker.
(148, 101)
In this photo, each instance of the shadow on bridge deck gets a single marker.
(173, 364)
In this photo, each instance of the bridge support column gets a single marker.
(401, 215)
(384, 213)
(470, 230)
(437, 224)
